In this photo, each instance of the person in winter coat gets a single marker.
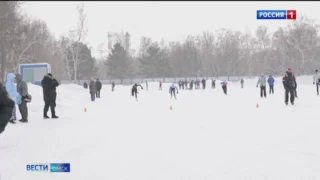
(179, 84)
(113, 85)
(49, 85)
(99, 87)
(147, 85)
(12, 91)
(6, 108)
(172, 90)
(182, 84)
(22, 89)
(213, 84)
(289, 83)
(186, 84)
(134, 90)
(191, 85)
(92, 89)
(241, 81)
(160, 85)
(262, 81)
(271, 84)
(224, 86)
(203, 84)
(316, 80)
(85, 85)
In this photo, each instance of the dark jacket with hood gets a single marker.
(99, 85)
(49, 85)
(92, 87)
(6, 108)
(22, 87)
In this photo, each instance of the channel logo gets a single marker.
(52, 167)
(277, 14)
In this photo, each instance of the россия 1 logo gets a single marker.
(277, 14)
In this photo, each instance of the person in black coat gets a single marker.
(99, 87)
(6, 108)
(49, 84)
(134, 90)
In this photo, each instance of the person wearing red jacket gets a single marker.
(289, 83)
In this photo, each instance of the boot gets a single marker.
(12, 121)
(23, 120)
(46, 117)
(54, 117)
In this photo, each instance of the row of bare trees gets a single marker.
(219, 53)
(225, 52)
(27, 40)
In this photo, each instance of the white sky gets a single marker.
(168, 20)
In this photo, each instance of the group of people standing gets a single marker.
(95, 87)
(12, 95)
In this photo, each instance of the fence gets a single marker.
(164, 80)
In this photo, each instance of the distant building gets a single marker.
(122, 38)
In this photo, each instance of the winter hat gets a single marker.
(316, 70)
(289, 69)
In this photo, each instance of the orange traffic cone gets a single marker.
(257, 105)
(171, 107)
(85, 109)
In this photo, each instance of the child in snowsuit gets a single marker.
(271, 84)
(172, 90)
(134, 90)
(224, 86)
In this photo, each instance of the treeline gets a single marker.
(223, 53)
(220, 53)
(27, 40)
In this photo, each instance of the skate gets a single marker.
(45, 117)
(54, 117)
(23, 120)
(286, 103)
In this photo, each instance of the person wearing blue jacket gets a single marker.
(224, 86)
(12, 91)
(172, 90)
(271, 84)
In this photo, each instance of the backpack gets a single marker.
(290, 80)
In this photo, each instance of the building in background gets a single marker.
(122, 38)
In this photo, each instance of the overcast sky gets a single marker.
(172, 21)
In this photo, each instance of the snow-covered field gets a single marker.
(207, 136)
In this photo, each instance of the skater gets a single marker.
(191, 85)
(295, 89)
(241, 81)
(146, 85)
(182, 84)
(224, 86)
(271, 84)
(49, 85)
(6, 108)
(186, 83)
(134, 90)
(113, 86)
(12, 91)
(289, 83)
(316, 80)
(92, 89)
(160, 85)
(22, 89)
(85, 85)
(172, 91)
(99, 87)
(198, 84)
(262, 81)
(203, 84)
(213, 84)
(179, 84)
